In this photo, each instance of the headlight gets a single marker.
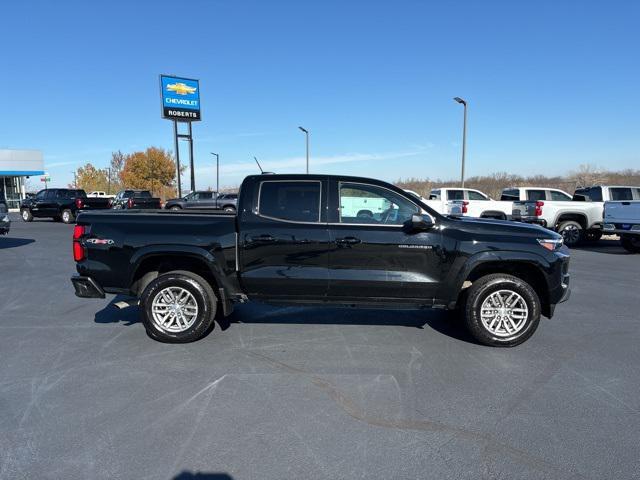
(551, 244)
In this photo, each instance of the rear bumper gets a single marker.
(621, 228)
(530, 219)
(87, 287)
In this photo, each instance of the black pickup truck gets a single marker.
(136, 200)
(60, 204)
(322, 240)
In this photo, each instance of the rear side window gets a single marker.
(473, 195)
(559, 196)
(455, 195)
(510, 195)
(143, 194)
(434, 195)
(294, 201)
(536, 195)
(621, 194)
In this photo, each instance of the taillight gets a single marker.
(464, 207)
(130, 203)
(79, 203)
(79, 251)
(539, 205)
(110, 203)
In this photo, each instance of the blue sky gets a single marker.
(550, 84)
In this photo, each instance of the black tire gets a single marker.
(201, 292)
(631, 243)
(572, 232)
(481, 290)
(592, 235)
(175, 207)
(67, 216)
(26, 215)
(230, 209)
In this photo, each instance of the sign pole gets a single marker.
(175, 136)
(193, 174)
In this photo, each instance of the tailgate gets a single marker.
(146, 203)
(523, 209)
(95, 203)
(624, 212)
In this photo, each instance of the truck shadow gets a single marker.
(439, 320)
(112, 314)
(260, 313)
(611, 247)
(11, 242)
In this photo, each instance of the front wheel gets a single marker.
(26, 215)
(230, 209)
(178, 307)
(175, 207)
(631, 243)
(571, 232)
(501, 310)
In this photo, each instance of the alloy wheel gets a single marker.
(174, 309)
(504, 313)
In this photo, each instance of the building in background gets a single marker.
(15, 167)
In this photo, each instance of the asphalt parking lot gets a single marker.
(300, 393)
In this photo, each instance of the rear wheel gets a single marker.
(178, 307)
(26, 215)
(230, 209)
(501, 310)
(67, 216)
(175, 207)
(631, 243)
(571, 232)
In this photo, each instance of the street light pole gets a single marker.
(464, 135)
(306, 133)
(217, 173)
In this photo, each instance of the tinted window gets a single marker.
(294, 201)
(476, 195)
(455, 195)
(40, 195)
(621, 194)
(204, 196)
(536, 195)
(510, 195)
(595, 194)
(373, 205)
(559, 196)
(435, 195)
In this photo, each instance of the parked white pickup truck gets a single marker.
(555, 209)
(99, 194)
(469, 203)
(623, 218)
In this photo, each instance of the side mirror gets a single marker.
(421, 223)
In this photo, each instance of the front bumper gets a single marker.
(87, 287)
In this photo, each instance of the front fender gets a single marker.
(453, 286)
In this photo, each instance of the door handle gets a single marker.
(348, 241)
(262, 238)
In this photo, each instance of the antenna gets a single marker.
(261, 171)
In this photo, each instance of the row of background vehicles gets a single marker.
(65, 204)
(578, 217)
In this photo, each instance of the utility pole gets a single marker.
(109, 180)
(306, 133)
(217, 173)
(464, 135)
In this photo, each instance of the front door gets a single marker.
(374, 253)
(284, 240)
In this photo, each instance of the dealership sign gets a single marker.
(180, 98)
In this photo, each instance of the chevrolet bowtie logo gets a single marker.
(181, 88)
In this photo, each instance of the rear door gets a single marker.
(373, 254)
(284, 240)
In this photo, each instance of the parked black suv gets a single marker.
(136, 199)
(60, 204)
(322, 240)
